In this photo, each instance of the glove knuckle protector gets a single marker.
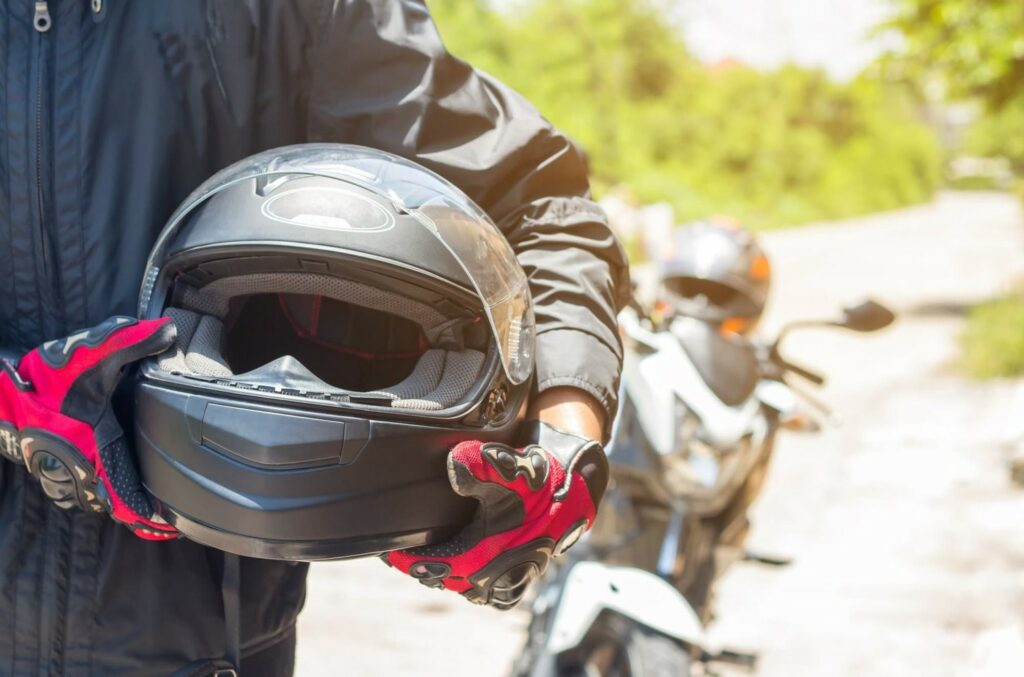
(10, 443)
(65, 475)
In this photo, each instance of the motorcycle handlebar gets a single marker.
(806, 374)
(784, 366)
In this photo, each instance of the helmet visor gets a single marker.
(463, 228)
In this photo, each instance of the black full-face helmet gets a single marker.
(344, 317)
(717, 272)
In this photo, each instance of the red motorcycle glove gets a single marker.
(56, 419)
(535, 502)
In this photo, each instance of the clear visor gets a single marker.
(464, 229)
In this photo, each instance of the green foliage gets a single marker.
(1000, 133)
(974, 183)
(975, 49)
(769, 148)
(975, 46)
(993, 341)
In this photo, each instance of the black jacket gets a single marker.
(107, 120)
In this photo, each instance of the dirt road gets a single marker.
(909, 556)
(907, 538)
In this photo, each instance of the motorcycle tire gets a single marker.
(617, 647)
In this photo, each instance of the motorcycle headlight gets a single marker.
(693, 466)
(698, 469)
(694, 469)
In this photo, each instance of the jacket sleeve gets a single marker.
(382, 78)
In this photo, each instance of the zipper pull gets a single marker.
(42, 21)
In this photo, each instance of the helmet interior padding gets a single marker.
(243, 330)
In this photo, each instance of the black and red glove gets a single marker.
(56, 419)
(535, 502)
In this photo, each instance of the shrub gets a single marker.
(993, 340)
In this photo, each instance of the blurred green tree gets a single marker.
(770, 148)
(975, 46)
(1000, 132)
(975, 49)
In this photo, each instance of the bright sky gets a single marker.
(766, 33)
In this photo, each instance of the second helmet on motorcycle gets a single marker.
(344, 318)
(717, 272)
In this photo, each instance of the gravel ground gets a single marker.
(909, 559)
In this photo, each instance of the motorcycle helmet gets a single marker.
(344, 316)
(717, 272)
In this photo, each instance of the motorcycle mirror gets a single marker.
(866, 316)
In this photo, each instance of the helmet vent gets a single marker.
(328, 208)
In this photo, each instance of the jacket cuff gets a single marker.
(569, 357)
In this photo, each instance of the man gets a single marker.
(112, 111)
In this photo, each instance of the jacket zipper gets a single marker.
(43, 22)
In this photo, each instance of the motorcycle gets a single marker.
(693, 439)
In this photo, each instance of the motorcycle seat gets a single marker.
(727, 364)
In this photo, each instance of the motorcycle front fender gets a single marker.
(643, 597)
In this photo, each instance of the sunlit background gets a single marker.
(876, 146)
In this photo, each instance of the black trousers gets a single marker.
(276, 660)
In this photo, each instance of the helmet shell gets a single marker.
(274, 463)
(719, 260)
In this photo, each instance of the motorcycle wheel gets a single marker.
(616, 647)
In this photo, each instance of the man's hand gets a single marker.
(535, 502)
(55, 418)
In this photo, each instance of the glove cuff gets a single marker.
(573, 452)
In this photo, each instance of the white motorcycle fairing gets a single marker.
(657, 379)
(643, 597)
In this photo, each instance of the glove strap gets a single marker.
(230, 589)
(230, 665)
